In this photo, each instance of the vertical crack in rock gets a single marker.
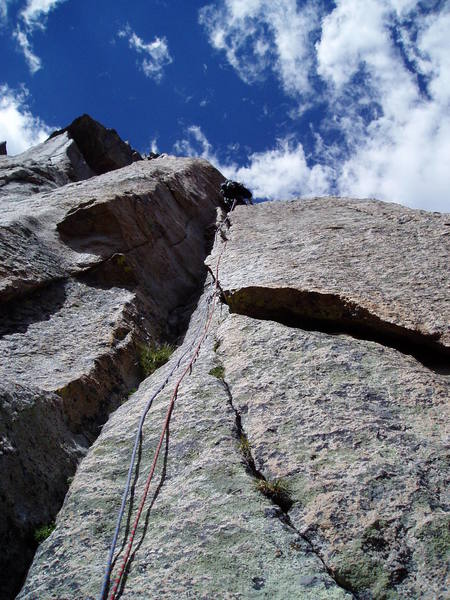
(281, 497)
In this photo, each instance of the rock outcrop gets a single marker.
(90, 271)
(102, 148)
(306, 452)
(83, 149)
(372, 269)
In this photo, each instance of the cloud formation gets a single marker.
(279, 173)
(282, 173)
(195, 144)
(33, 17)
(258, 36)
(23, 39)
(35, 12)
(3, 10)
(155, 54)
(381, 69)
(17, 124)
(400, 152)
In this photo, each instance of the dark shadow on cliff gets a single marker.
(40, 305)
(329, 313)
(102, 147)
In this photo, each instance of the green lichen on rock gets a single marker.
(374, 535)
(435, 536)
(245, 448)
(356, 570)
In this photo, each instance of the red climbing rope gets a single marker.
(187, 370)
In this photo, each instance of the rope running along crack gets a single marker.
(188, 369)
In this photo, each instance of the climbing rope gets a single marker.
(209, 317)
(137, 438)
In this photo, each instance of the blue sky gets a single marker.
(294, 98)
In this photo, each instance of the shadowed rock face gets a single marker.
(89, 272)
(102, 148)
(306, 453)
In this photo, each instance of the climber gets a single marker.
(233, 191)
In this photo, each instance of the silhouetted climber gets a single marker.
(3, 151)
(235, 191)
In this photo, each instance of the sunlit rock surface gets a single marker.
(89, 271)
(306, 456)
(83, 149)
(365, 264)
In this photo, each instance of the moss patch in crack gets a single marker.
(218, 372)
(277, 490)
(121, 261)
(41, 533)
(245, 448)
(152, 357)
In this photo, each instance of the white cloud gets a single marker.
(257, 35)
(31, 18)
(282, 173)
(154, 146)
(401, 153)
(156, 54)
(196, 144)
(33, 61)
(407, 163)
(278, 173)
(434, 47)
(36, 11)
(3, 10)
(384, 67)
(17, 125)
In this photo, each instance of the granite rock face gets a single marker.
(83, 149)
(101, 147)
(357, 432)
(42, 168)
(306, 455)
(375, 267)
(90, 271)
(209, 534)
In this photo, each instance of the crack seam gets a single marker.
(330, 314)
(256, 474)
